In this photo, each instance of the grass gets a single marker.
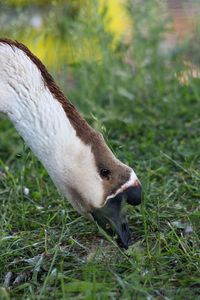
(133, 93)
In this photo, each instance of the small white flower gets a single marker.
(39, 207)
(26, 191)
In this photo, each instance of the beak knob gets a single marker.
(134, 194)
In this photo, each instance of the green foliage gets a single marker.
(133, 94)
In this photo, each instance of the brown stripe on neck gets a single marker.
(83, 130)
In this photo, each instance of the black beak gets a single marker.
(114, 213)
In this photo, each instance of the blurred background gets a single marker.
(59, 24)
(67, 32)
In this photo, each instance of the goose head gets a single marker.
(104, 187)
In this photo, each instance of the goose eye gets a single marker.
(105, 173)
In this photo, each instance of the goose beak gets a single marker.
(114, 213)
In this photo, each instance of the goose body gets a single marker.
(76, 157)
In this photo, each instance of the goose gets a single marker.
(76, 157)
